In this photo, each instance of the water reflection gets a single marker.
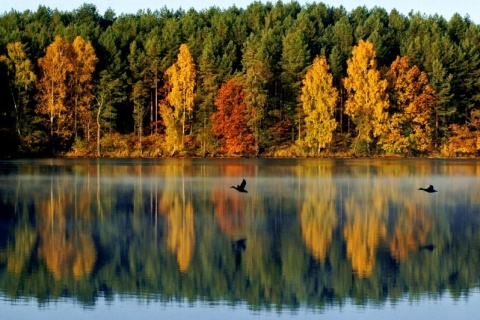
(308, 232)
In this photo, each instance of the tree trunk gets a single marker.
(98, 130)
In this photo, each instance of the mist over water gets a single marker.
(310, 236)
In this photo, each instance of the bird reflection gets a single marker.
(428, 247)
(238, 246)
(241, 187)
(430, 189)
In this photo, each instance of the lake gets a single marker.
(170, 238)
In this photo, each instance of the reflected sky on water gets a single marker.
(333, 237)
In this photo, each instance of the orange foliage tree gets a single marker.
(409, 130)
(229, 122)
(464, 139)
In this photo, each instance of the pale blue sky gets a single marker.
(445, 8)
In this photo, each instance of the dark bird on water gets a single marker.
(430, 189)
(241, 187)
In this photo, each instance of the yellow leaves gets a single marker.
(319, 97)
(65, 85)
(181, 77)
(84, 60)
(54, 66)
(367, 98)
(20, 65)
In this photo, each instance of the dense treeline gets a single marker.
(272, 80)
(164, 230)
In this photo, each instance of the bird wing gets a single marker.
(244, 183)
(430, 187)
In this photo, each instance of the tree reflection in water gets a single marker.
(319, 232)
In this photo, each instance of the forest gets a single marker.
(271, 80)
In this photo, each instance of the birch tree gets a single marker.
(181, 76)
(52, 87)
(318, 98)
(367, 99)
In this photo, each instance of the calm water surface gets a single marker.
(347, 239)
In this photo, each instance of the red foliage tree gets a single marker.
(229, 122)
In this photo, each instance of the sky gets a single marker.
(445, 8)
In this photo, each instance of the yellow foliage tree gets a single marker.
(367, 99)
(409, 129)
(54, 69)
(319, 97)
(181, 77)
(84, 61)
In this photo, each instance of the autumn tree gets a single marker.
(464, 139)
(409, 130)
(81, 87)
(230, 123)
(181, 76)
(21, 81)
(319, 97)
(367, 98)
(54, 69)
